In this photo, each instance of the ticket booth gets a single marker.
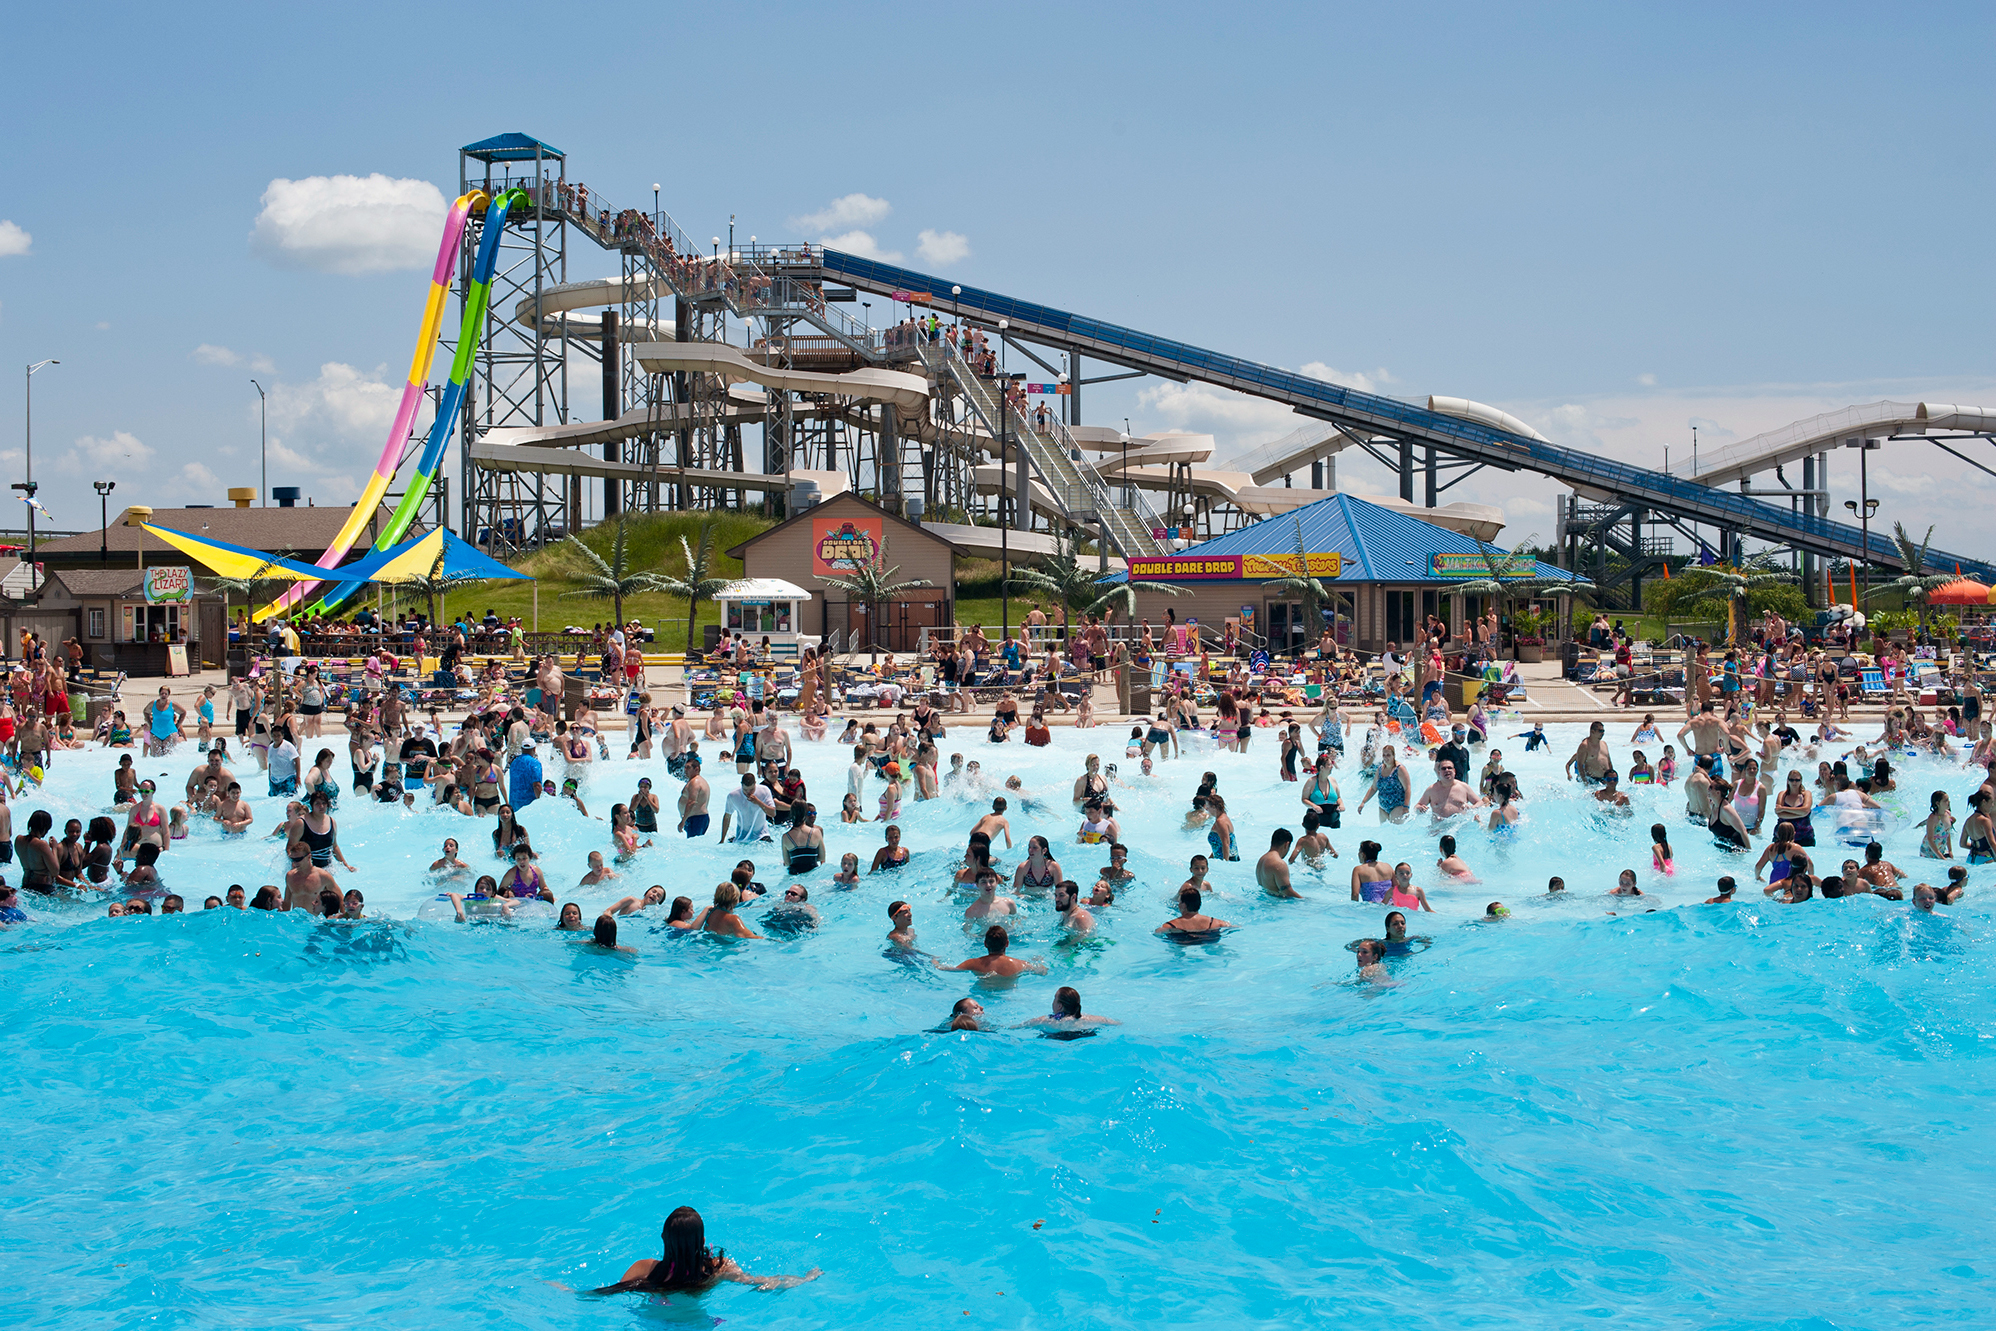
(759, 608)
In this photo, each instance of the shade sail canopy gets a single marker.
(440, 554)
(236, 561)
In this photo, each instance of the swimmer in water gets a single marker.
(1313, 845)
(1074, 916)
(1625, 885)
(450, 864)
(1660, 858)
(1271, 871)
(967, 1015)
(1067, 1013)
(902, 935)
(1371, 959)
(599, 872)
(689, 1266)
(1495, 911)
(1726, 887)
(1189, 921)
(1452, 864)
(994, 963)
(988, 901)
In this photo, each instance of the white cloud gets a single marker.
(342, 406)
(1364, 383)
(121, 454)
(13, 240)
(851, 210)
(942, 248)
(862, 244)
(349, 224)
(1915, 486)
(103, 325)
(210, 354)
(198, 478)
(1646, 380)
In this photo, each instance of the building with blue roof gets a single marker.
(1387, 572)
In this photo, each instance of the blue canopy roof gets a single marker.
(512, 148)
(1378, 544)
(440, 552)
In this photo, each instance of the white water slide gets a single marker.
(1834, 429)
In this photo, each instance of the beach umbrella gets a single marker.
(1962, 591)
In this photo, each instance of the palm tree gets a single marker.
(1503, 586)
(247, 586)
(1301, 584)
(613, 579)
(1062, 576)
(1735, 582)
(699, 582)
(1915, 582)
(873, 584)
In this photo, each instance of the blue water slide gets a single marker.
(1178, 360)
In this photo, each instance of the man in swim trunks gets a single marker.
(1590, 760)
(212, 770)
(1448, 796)
(693, 797)
(1705, 736)
(1271, 871)
(995, 822)
(1698, 792)
(994, 962)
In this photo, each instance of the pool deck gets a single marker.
(1552, 699)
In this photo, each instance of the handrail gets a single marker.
(1052, 450)
(672, 253)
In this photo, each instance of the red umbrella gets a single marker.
(1966, 591)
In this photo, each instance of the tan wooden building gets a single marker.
(826, 541)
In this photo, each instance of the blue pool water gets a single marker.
(1742, 1116)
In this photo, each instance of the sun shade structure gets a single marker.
(441, 555)
(225, 560)
(1966, 591)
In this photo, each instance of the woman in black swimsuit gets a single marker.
(320, 833)
(36, 856)
(1725, 824)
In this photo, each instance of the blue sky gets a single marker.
(1611, 220)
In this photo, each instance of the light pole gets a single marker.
(1870, 505)
(1126, 463)
(103, 489)
(656, 223)
(30, 432)
(28, 488)
(263, 435)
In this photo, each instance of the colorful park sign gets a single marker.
(1200, 568)
(840, 545)
(1476, 566)
(169, 585)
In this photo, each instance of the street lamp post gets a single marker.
(655, 212)
(28, 438)
(1004, 516)
(1869, 505)
(28, 488)
(263, 437)
(103, 489)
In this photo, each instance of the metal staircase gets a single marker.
(1077, 488)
